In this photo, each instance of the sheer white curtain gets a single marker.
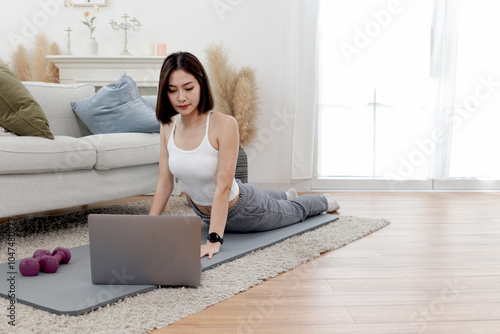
(477, 98)
(306, 101)
(443, 72)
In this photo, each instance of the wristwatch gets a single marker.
(214, 237)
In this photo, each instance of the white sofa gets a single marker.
(76, 168)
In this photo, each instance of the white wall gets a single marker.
(259, 33)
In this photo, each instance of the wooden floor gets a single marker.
(435, 269)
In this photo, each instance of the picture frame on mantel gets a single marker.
(86, 3)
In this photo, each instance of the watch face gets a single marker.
(214, 237)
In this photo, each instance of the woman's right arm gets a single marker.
(165, 178)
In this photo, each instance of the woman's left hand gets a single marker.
(210, 248)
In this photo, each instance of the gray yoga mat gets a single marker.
(70, 290)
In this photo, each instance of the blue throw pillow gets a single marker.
(117, 107)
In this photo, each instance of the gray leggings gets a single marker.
(258, 210)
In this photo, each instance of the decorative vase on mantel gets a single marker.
(92, 47)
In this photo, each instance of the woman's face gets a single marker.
(183, 92)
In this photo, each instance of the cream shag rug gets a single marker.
(161, 307)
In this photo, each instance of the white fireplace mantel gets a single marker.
(101, 70)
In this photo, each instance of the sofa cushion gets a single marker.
(151, 100)
(116, 150)
(39, 155)
(117, 108)
(19, 111)
(55, 100)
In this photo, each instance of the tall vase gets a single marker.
(242, 166)
(92, 48)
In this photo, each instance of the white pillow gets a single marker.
(5, 132)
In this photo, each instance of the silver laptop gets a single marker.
(144, 250)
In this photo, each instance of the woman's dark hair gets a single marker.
(189, 63)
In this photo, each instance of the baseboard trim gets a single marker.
(299, 185)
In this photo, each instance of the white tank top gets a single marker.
(197, 168)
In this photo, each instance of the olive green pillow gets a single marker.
(19, 112)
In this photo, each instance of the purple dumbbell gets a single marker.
(59, 255)
(31, 266)
(45, 261)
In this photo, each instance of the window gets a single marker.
(377, 115)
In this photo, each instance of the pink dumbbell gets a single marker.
(60, 255)
(44, 261)
(31, 266)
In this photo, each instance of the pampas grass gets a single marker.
(52, 68)
(20, 64)
(235, 90)
(222, 77)
(42, 69)
(244, 107)
(34, 66)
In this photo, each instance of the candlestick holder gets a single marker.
(126, 26)
(68, 45)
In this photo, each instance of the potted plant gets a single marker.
(235, 93)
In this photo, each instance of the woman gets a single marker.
(200, 147)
